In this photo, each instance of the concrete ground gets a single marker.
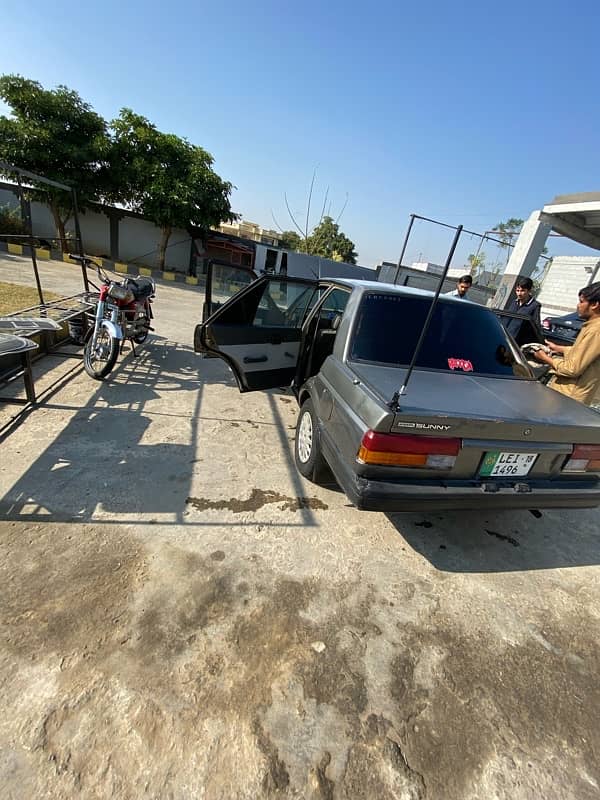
(183, 616)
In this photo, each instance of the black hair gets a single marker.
(525, 283)
(465, 279)
(591, 293)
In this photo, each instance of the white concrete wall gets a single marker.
(95, 232)
(138, 238)
(563, 280)
(42, 221)
(139, 241)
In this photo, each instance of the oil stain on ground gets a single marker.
(257, 499)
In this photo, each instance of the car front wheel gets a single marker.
(309, 459)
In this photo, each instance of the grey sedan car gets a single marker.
(471, 428)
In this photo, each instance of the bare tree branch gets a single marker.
(312, 183)
(324, 203)
(276, 223)
(339, 216)
(287, 205)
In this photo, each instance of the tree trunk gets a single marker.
(162, 247)
(59, 224)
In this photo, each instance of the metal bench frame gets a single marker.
(59, 311)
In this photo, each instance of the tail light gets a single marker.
(399, 450)
(584, 458)
(546, 324)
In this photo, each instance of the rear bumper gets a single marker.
(379, 496)
(371, 495)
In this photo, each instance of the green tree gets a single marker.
(328, 241)
(325, 238)
(508, 231)
(476, 263)
(290, 240)
(166, 178)
(55, 134)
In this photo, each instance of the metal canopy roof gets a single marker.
(576, 216)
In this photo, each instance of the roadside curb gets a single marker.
(121, 267)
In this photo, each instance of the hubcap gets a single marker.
(305, 437)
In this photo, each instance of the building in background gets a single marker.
(574, 216)
(426, 275)
(251, 231)
(563, 280)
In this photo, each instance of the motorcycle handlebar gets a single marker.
(88, 262)
(85, 260)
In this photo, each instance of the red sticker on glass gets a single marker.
(460, 363)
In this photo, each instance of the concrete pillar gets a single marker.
(523, 259)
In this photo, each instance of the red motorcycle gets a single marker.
(123, 311)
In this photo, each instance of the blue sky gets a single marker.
(468, 113)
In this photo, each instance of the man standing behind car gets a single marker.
(463, 284)
(576, 371)
(524, 304)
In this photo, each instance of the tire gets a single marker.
(97, 366)
(307, 449)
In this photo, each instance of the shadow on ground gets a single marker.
(507, 541)
(128, 453)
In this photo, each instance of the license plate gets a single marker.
(506, 464)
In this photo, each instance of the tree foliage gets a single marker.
(166, 178)
(290, 240)
(509, 230)
(325, 238)
(54, 133)
(476, 263)
(328, 241)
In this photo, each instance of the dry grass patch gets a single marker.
(15, 298)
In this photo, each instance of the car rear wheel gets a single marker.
(307, 451)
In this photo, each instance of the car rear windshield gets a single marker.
(462, 337)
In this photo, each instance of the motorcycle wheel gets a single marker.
(98, 366)
(140, 338)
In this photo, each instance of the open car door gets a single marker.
(258, 330)
(523, 329)
(222, 282)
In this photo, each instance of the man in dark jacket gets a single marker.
(523, 304)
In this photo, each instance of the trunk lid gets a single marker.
(467, 405)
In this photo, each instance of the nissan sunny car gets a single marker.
(464, 424)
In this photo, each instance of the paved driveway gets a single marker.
(183, 616)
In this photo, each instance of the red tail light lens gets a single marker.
(584, 458)
(393, 449)
(546, 324)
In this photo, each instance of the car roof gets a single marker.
(379, 286)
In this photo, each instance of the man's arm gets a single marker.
(577, 359)
(558, 349)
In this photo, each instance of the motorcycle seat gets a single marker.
(141, 287)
